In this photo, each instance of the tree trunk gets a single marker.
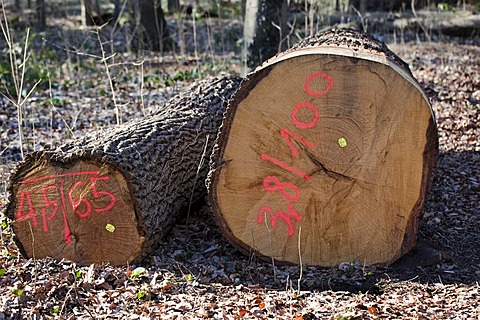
(268, 34)
(117, 10)
(18, 5)
(173, 6)
(153, 29)
(41, 16)
(90, 9)
(112, 196)
(249, 30)
(325, 155)
(283, 13)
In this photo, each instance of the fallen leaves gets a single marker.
(196, 274)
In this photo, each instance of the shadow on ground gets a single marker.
(448, 251)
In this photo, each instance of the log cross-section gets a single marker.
(325, 155)
(111, 196)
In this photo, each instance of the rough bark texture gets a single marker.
(111, 196)
(268, 38)
(325, 155)
(90, 9)
(249, 31)
(152, 32)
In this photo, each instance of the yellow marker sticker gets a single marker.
(342, 142)
(110, 227)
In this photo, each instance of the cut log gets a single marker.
(325, 155)
(112, 196)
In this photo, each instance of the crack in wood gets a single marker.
(330, 173)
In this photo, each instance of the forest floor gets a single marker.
(195, 273)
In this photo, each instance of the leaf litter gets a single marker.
(196, 274)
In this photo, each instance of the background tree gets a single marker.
(265, 31)
(173, 5)
(249, 30)
(151, 27)
(41, 16)
(89, 10)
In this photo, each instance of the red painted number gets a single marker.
(98, 194)
(272, 184)
(300, 124)
(25, 196)
(319, 93)
(76, 204)
(288, 137)
(54, 198)
(287, 218)
(304, 115)
(48, 203)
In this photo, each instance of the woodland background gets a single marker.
(71, 67)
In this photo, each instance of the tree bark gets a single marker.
(117, 10)
(41, 16)
(267, 35)
(153, 32)
(90, 10)
(325, 155)
(173, 6)
(249, 31)
(112, 196)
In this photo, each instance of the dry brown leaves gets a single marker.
(197, 275)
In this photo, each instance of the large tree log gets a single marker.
(111, 196)
(325, 155)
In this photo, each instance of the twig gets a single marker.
(8, 39)
(287, 37)
(142, 85)
(115, 24)
(104, 59)
(418, 21)
(34, 258)
(19, 92)
(50, 100)
(200, 165)
(299, 259)
(14, 66)
(362, 19)
(271, 245)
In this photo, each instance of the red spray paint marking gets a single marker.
(66, 227)
(98, 194)
(31, 212)
(287, 135)
(287, 218)
(318, 75)
(70, 174)
(281, 187)
(76, 204)
(73, 205)
(304, 125)
(48, 203)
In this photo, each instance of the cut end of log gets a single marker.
(325, 156)
(82, 212)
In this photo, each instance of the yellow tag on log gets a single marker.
(110, 227)
(342, 142)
